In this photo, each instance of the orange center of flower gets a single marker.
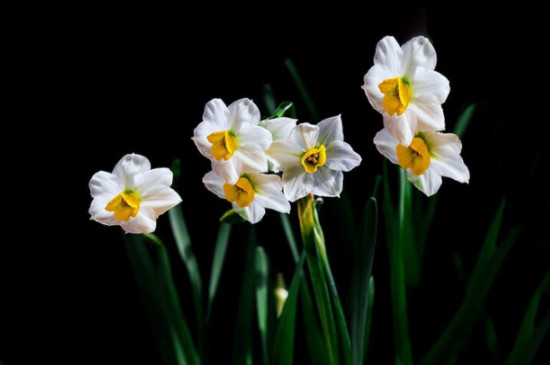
(241, 193)
(415, 157)
(397, 94)
(314, 158)
(124, 205)
(224, 144)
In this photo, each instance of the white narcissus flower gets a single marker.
(312, 159)
(251, 194)
(403, 86)
(429, 156)
(231, 138)
(133, 195)
(280, 129)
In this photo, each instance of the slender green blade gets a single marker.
(269, 99)
(232, 217)
(217, 263)
(242, 345)
(289, 234)
(361, 278)
(491, 337)
(283, 108)
(530, 335)
(302, 89)
(262, 271)
(153, 273)
(370, 318)
(315, 342)
(464, 120)
(283, 345)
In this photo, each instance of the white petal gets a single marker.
(330, 130)
(253, 137)
(429, 87)
(99, 214)
(214, 183)
(130, 165)
(429, 116)
(229, 170)
(286, 154)
(253, 213)
(429, 182)
(161, 201)
(270, 192)
(243, 111)
(305, 135)
(401, 127)
(328, 182)
(280, 128)
(105, 183)
(143, 222)
(200, 134)
(386, 145)
(389, 54)
(217, 114)
(447, 161)
(251, 159)
(372, 79)
(418, 52)
(152, 181)
(297, 183)
(341, 157)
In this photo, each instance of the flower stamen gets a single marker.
(314, 158)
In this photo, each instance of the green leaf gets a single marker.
(232, 217)
(283, 345)
(315, 343)
(289, 234)
(464, 120)
(154, 277)
(217, 263)
(242, 345)
(302, 89)
(491, 336)
(283, 108)
(361, 278)
(530, 336)
(183, 243)
(269, 99)
(370, 311)
(261, 298)
(454, 338)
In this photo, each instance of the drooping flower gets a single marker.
(403, 86)
(133, 195)
(280, 129)
(231, 138)
(251, 194)
(312, 159)
(429, 156)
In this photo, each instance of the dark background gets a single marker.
(98, 83)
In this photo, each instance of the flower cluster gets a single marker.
(403, 87)
(246, 154)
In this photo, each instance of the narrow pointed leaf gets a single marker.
(464, 120)
(302, 89)
(217, 263)
(289, 234)
(269, 99)
(261, 299)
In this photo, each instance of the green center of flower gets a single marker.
(124, 205)
(397, 95)
(416, 156)
(241, 193)
(224, 143)
(314, 158)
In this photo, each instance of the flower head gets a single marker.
(312, 159)
(251, 194)
(133, 195)
(429, 156)
(231, 138)
(403, 86)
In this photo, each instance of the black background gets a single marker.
(92, 84)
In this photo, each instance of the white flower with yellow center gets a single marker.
(231, 138)
(133, 195)
(429, 156)
(403, 86)
(312, 159)
(251, 194)
(280, 129)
